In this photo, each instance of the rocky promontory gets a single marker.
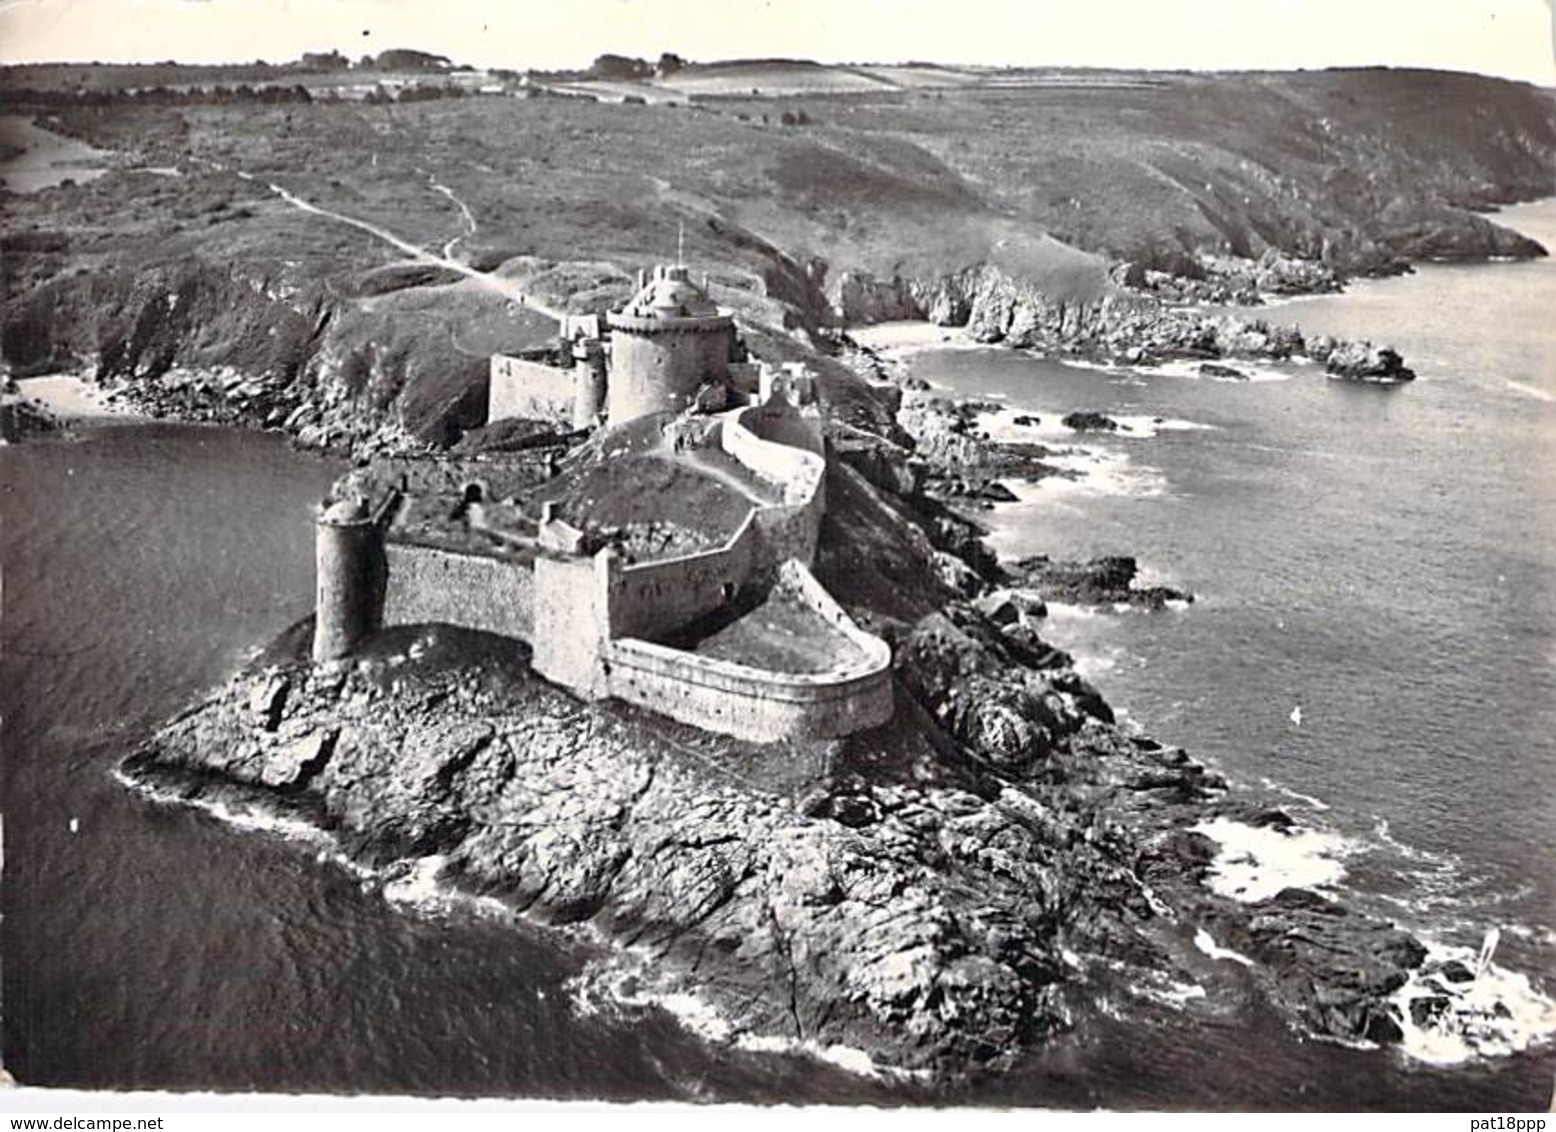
(945, 891)
(942, 892)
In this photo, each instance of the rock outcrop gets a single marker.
(936, 892)
(1088, 421)
(1109, 580)
(1362, 361)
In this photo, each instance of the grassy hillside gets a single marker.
(916, 173)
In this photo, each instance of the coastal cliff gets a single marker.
(194, 282)
(943, 892)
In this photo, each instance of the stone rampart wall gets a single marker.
(783, 448)
(795, 577)
(572, 621)
(530, 390)
(651, 599)
(473, 591)
(590, 619)
(757, 704)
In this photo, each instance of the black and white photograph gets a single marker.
(874, 555)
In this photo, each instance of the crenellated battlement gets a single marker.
(719, 324)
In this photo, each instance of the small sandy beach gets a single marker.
(71, 398)
(904, 338)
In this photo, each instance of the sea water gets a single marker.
(161, 947)
(1373, 644)
(1373, 648)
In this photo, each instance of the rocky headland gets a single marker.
(941, 893)
(945, 891)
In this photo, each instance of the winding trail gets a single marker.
(510, 289)
(470, 224)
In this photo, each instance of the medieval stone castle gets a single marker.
(737, 638)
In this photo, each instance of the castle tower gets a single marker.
(589, 383)
(665, 344)
(349, 598)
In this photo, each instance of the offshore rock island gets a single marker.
(648, 607)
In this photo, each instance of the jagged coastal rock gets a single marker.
(1088, 421)
(943, 890)
(1108, 580)
(1362, 361)
(940, 892)
(917, 901)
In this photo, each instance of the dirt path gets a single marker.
(691, 458)
(510, 289)
(470, 224)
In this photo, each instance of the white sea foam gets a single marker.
(1207, 943)
(1437, 863)
(1099, 663)
(1536, 933)
(850, 1059)
(1050, 428)
(418, 883)
(625, 979)
(1141, 427)
(241, 815)
(1255, 863)
(1255, 373)
(1497, 1014)
(1068, 611)
(1295, 795)
(1092, 472)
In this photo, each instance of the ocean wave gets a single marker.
(410, 882)
(1142, 427)
(1256, 373)
(623, 982)
(1451, 1019)
(1307, 800)
(1169, 993)
(1442, 888)
(1001, 426)
(1534, 933)
(243, 815)
(1096, 472)
(1254, 863)
(1070, 611)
